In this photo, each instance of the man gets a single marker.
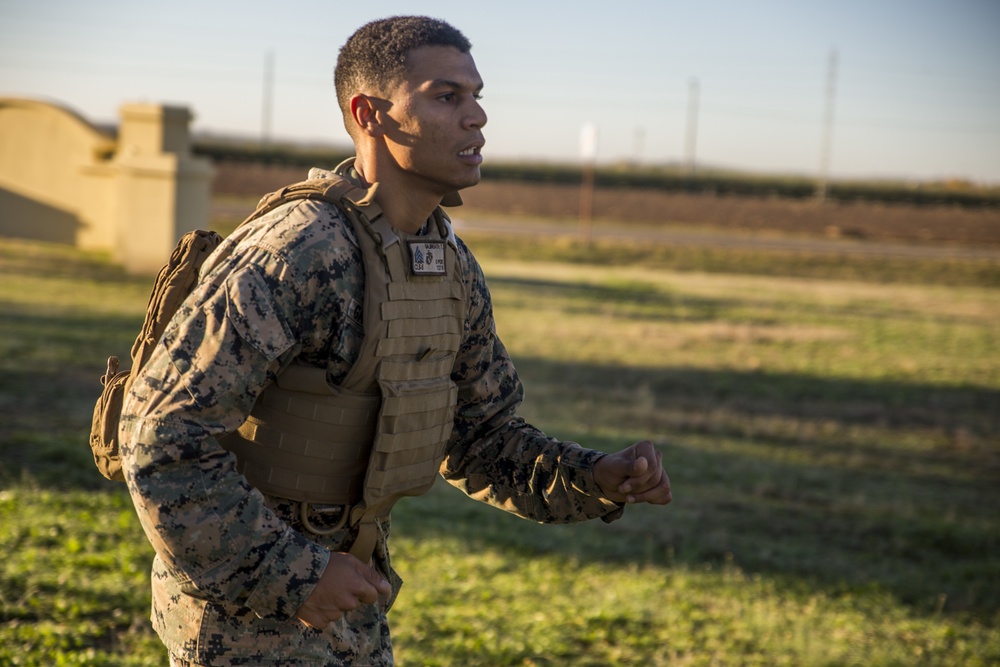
(370, 324)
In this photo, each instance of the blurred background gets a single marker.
(891, 89)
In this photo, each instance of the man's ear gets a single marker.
(365, 115)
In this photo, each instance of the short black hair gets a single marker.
(374, 57)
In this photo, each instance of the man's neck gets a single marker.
(403, 205)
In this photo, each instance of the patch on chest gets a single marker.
(427, 258)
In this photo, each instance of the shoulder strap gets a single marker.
(172, 285)
(335, 189)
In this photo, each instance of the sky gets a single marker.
(734, 84)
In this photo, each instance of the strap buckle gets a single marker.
(306, 507)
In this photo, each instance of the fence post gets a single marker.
(163, 191)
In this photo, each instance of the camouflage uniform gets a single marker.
(233, 566)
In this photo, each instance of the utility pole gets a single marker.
(691, 135)
(268, 101)
(588, 152)
(824, 152)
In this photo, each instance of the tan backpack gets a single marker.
(172, 285)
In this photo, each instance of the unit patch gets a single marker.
(427, 258)
(356, 312)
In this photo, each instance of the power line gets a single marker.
(268, 99)
(691, 135)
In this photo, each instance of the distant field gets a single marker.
(862, 220)
(832, 434)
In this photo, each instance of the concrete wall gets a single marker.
(63, 181)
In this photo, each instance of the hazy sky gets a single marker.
(917, 85)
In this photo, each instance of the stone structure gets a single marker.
(63, 181)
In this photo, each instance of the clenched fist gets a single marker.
(634, 475)
(346, 584)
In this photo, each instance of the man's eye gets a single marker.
(477, 96)
(448, 97)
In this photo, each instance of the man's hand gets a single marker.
(346, 584)
(634, 475)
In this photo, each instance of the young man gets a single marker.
(354, 349)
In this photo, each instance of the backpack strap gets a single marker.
(172, 285)
(335, 189)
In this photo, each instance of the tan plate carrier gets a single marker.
(382, 434)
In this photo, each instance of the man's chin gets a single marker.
(457, 182)
(470, 181)
(456, 186)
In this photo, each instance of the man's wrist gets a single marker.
(293, 568)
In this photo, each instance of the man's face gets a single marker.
(434, 129)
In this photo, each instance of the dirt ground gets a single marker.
(863, 220)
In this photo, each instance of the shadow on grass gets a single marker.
(757, 483)
(59, 261)
(635, 300)
(794, 396)
(50, 369)
(897, 490)
(809, 528)
(639, 300)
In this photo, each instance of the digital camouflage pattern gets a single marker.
(233, 566)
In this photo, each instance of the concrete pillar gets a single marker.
(162, 190)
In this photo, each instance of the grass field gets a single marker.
(832, 436)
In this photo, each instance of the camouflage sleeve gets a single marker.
(494, 455)
(275, 297)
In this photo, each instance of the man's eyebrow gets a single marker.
(455, 85)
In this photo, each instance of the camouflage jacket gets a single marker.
(289, 288)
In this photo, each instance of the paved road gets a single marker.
(716, 238)
(689, 237)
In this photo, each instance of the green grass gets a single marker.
(833, 440)
(74, 584)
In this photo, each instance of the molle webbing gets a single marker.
(382, 434)
(304, 442)
(413, 329)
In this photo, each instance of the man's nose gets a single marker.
(477, 116)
